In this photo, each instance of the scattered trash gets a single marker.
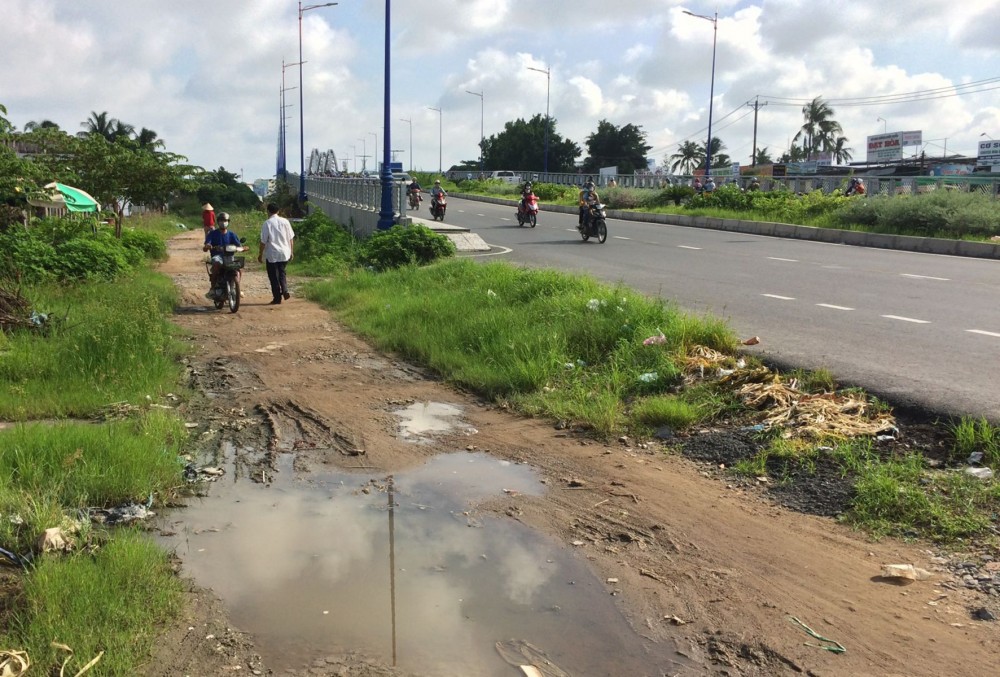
(182, 226)
(125, 514)
(13, 663)
(905, 572)
(983, 614)
(17, 560)
(752, 341)
(594, 304)
(54, 539)
(675, 620)
(981, 473)
(578, 543)
(655, 340)
(193, 473)
(569, 365)
(975, 457)
(837, 647)
(612, 580)
(529, 659)
(648, 377)
(492, 294)
(81, 671)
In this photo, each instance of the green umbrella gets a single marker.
(76, 200)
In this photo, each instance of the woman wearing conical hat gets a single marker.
(208, 217)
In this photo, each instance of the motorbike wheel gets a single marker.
(520, 219)
(602, 231)
(233, 295)
(533, 220)
(585, 233)
(219, 302)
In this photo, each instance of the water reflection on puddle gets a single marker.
(304, 567)
(422, 419)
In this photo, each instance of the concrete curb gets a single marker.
(926, 245)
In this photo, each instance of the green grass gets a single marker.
(976, 435)
(549, 343)
(109, 342)
(115, 600)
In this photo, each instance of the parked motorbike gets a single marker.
(438, 206)
(527, 210)
(414, 198)
(596, 224)
(227, 285)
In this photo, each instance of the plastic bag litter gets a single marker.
(906, 572)
(13, 663)
(655, 339)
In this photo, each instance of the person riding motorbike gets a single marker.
(526, 191)
(585, 193)
(437, 189)
(414, 189)
(592, 201)
(216, 242)
(855, 187)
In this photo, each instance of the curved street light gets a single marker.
(410, 123)
(482, 109)
(547, 83)
(302, 133)
(711, 92)
(438, 110)
(885, 125)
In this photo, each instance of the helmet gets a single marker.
(437, 182)
(223, 217)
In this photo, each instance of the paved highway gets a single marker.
(920, 330)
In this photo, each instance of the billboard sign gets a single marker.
(885, 147)
(989, 153)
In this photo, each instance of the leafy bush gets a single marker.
(673, 194)
(623, 198)
(150, 245)
(401, 246)
(940, 212)
(100, 258)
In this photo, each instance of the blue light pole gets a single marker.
(711, 91)
(302, 133)
(386, 216)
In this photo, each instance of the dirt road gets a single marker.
(715, 569)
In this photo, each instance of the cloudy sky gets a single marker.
(206, 75)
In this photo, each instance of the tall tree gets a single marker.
(104, 125)
(622, 147)
(42, 124)
(719, 159)
(763, 157)
(5, 125)
(148, 139)
(688, 156)
(521, 146)
(819, 129)
(841, 153)
(793, 154)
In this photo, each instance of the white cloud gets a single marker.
(206, 76)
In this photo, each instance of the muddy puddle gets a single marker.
(304, 566)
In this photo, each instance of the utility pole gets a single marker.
(756, 106)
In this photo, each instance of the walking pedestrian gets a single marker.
(277, 243)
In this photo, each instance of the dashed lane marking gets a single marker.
(830, 305)
(984, 333)
(778, 258)
(780, 298)
(684, 246)
(925, 277)
(619, 237)
(906, 319)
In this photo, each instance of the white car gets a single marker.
(506, 176)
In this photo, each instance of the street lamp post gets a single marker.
(711, 92)
(548, 81)
(283, 130)
(410, 123)
(364, 154)
(386, 214)
(439, 135)
(885, 125)
(375, 152)
(354, 157)
(482, 111)
(302, 133)
(987, 136)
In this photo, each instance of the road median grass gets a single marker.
(606, 361)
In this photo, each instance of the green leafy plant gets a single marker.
(401, 246)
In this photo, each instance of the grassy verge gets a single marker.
(106, 342)
(612, 361)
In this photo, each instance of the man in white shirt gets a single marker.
(277, 243)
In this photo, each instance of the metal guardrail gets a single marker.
(355, 202)
(876, 185)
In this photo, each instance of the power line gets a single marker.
(975, 87)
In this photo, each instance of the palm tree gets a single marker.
(841, 153)
(121, 130)
(98, 123)
(793, 154)
(819, 128)
(44, 124)
(763, 157)
(687, 157)
(147, 139)
(719, 159)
